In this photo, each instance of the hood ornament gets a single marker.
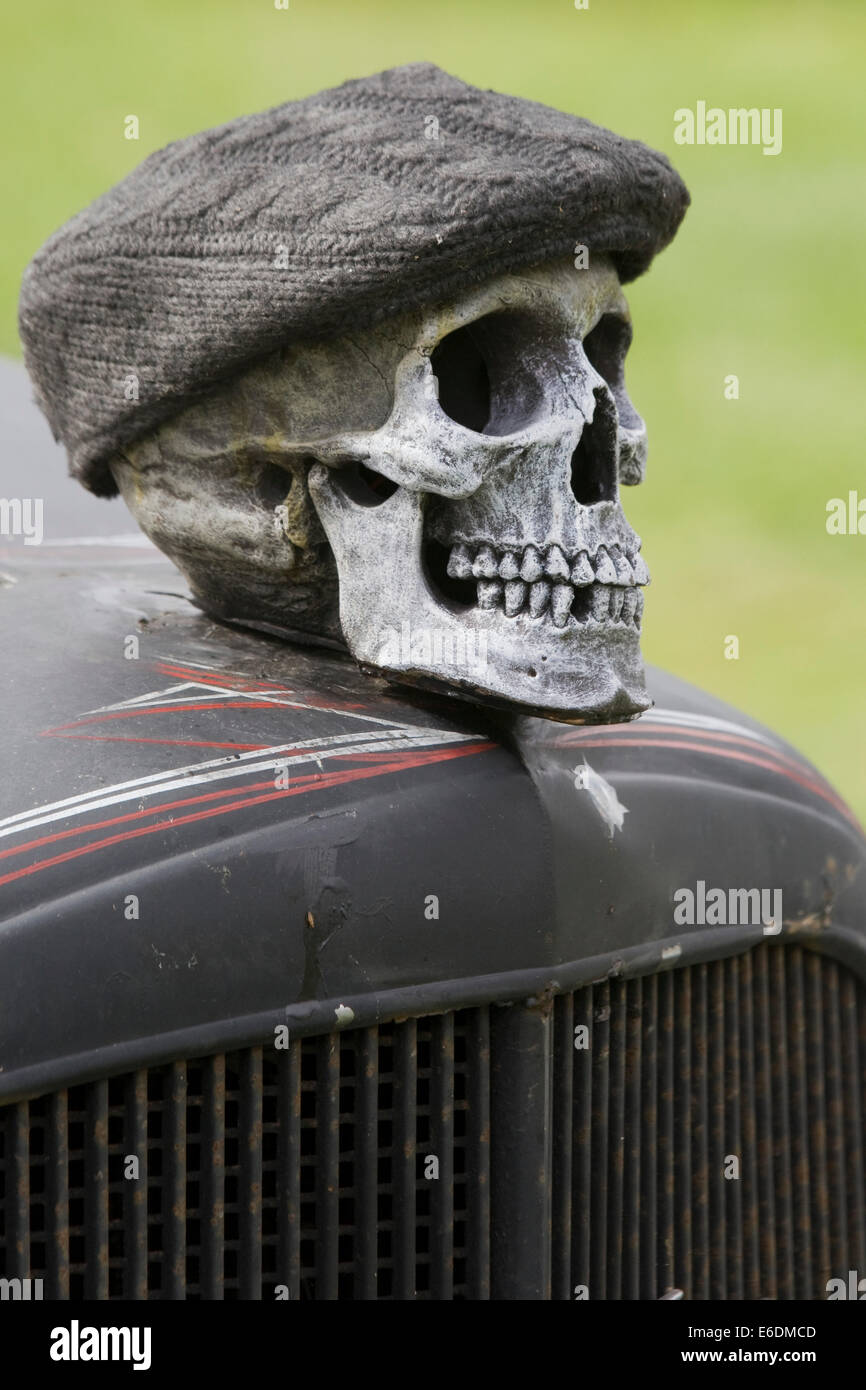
(380, 393)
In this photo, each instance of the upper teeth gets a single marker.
(543, 581)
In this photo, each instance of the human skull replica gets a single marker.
(441, 491)
(376, 340)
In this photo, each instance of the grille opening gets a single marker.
(371, 1236)
(762, 1055)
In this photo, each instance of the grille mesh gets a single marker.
(308, 1170)
(760, 1058)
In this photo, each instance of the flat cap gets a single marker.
(307, 220)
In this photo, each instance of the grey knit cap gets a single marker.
(384, 193)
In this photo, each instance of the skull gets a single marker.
(439, 492)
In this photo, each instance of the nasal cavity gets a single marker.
(593, 463)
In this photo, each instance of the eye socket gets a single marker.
(464, 381)
(606, 347)
(490, 372)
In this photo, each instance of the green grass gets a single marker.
(765, 280)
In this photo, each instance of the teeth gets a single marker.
(532, 568)
(560, 603)
(556, 564)
(485, 564)
(600, 604)
(605, 572)
(582, 572)
(521, 582)
(539, 597)
(508, 568)
(624, 572)
(489, 593)
(515, 593)
(460, 562)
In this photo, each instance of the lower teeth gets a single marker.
(607, 603)
(561, 600)
(515, 593)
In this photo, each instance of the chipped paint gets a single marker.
(344, 1014)
(602, 795)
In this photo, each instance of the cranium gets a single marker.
(439, 492)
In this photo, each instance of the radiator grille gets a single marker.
(309, 1171)
(308, 1168)
(761, 1059)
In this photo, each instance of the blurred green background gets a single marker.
(765, 279)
